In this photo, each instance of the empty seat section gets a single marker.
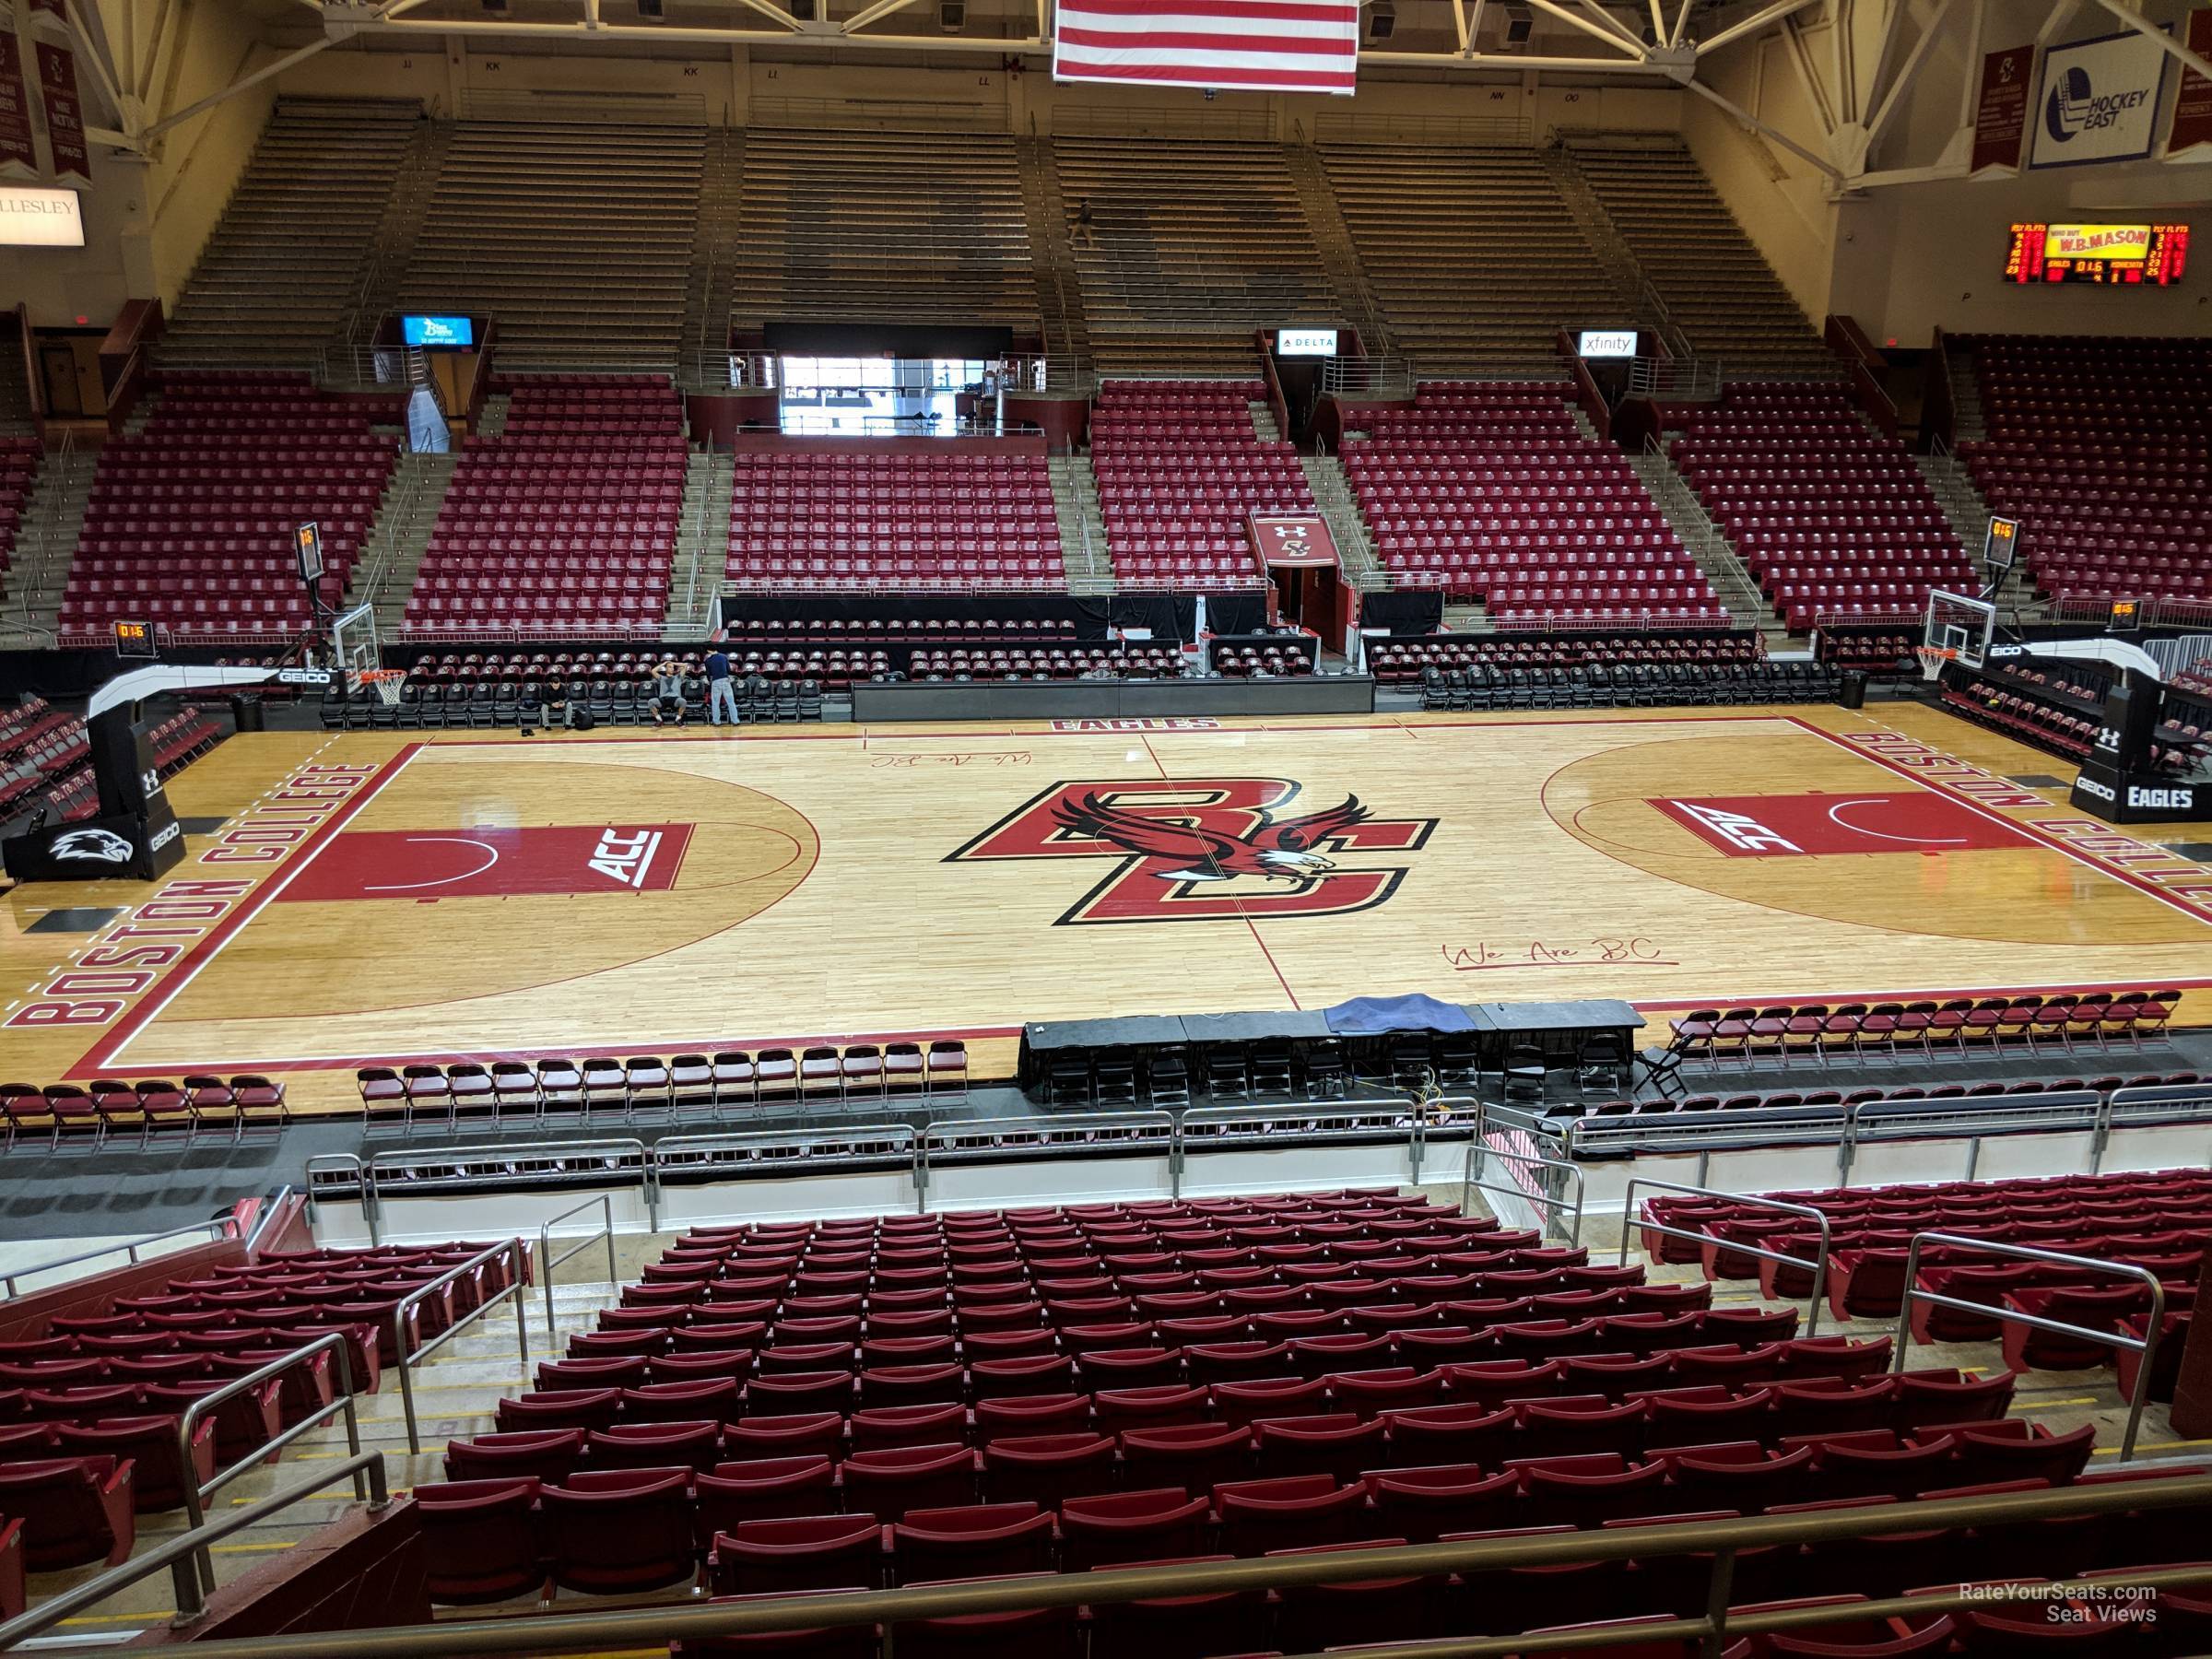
(189, 525)
(1180, 467)
(912, 225)
(1193, 245)
(321, 177)
(834, 514)
(1472, 253)
(1717, 288)
(2104, 449)
(566, 522)
(1493, 492)
(575, 236)
(1830, 518)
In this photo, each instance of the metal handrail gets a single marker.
(1628, 1221)
(177, 1554)
(267, 1215)
(413, 1299)
(1480, 1150)
(367, 1485)
(2146, 1345)
(548, 1260)
(1719, 1541)
(225, 1227)
(1136, 1117)
(338, 1161)
(372, 1193)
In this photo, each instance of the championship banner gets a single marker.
(64, 117)
(2001, 115)
(2100, 102)
(19, 150)
(2192, 104)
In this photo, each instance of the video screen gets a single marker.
(438, 331)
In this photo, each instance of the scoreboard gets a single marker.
(2128, 255)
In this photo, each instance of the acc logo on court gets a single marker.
(1209, 849)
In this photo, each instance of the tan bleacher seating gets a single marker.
(1718, 289)
(281, 265)
(1473, 256)
(575, 238)
(892, 227)
(1195, 245)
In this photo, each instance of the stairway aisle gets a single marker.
(702, 546)
(1083, 550)
(401, 536)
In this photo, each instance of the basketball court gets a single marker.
(353, 899)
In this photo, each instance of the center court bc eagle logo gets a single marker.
(1207, 849)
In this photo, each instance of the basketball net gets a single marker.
(387, 682)
(1933, 658)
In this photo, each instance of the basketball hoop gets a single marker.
(1933, 658)
(387, 682)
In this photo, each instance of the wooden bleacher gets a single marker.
(878, 227)
(1717, 288)
(275, 279)
(1195, 245)
(574, 237)
(1473, 256)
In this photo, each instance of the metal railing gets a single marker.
(1480, 1151)
(1675, 377)
(267, 1216)
(1367, 376)
(2146, 1345)
(179, 1554)
(405, 1361)
(564, 1158)
(1134, 1130)
(224, 1227)
(548, 1260)
(1717, 1544)
(367, 1482)
(1851, 1128)
(1631, 1222)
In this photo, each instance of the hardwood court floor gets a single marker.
(391, 897)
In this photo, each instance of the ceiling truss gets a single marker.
(133, 59)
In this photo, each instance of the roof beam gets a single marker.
(882, 8)
(1767, 132)
(1919, 54)
(2151, 32)
(1802, 61)
(1619, 42)
(1753, 24)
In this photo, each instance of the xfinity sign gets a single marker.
(35, 217)
(2100, 100)
(1606, 342)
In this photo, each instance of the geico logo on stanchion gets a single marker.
(163, 836)
(2103, 792)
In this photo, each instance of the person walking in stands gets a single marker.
(1083, 232)
(721, 690)
(668, 692)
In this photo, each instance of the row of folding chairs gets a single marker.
(645, 1087)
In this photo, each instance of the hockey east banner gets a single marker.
(2192, 104)
(18, 152)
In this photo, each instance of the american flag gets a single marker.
(1235, 45)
